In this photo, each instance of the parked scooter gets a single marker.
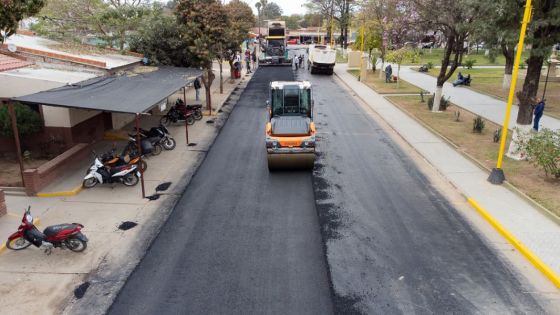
(179, 113)
(66, 235)
(99, 173)
(111, 159)
(162, 134)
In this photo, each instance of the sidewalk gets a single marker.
(481, 104)
(535, 230)
(34, 283)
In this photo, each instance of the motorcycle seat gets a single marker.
(116, 169)
(55, 229)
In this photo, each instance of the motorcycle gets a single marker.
(162, 134)
(111, 159)
(64, 236)
(180, 113)
(99, 173)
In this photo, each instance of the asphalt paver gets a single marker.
(394, 244)
(241, 240)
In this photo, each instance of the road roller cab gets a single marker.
(290, 131)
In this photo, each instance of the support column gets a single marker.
(3, 209)
(15, 131)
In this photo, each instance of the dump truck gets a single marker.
(321, 59)
(274, 51)
(290, 131)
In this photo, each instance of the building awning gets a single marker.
(136, 93)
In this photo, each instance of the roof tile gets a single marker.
(10, 63)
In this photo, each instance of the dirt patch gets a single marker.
(526, 177)
(10, 173)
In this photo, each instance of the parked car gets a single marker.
(293, 41)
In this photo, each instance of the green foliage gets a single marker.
(443, 105)
(161, 40)
(13, 11)
(430, 65)
(402, 55)
(292, 21)
(543, 150)
(28, 120)
(272, 11)
(492, 55)
(469, 63)
(478, 124)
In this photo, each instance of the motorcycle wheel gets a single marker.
(18, 243)
(165, 121)
(169, 143)
(130, 180)
(157, 149)
(198, 114)
(90, 182)
(144, 166)
(76, 245)
(190, 120)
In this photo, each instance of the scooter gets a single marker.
(99, 174)
(111, 159)
(161, 134)
(180, 113)
(64, 236)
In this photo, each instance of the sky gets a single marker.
(289, 7)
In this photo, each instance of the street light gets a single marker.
(497, 175)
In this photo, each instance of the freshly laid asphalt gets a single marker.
(245, 241)
(240, 240)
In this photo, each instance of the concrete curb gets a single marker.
(72, 192)
(533, 259)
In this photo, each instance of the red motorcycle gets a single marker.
(61, 235)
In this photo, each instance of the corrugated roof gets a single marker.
(10, 63)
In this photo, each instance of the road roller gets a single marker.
(290, 131)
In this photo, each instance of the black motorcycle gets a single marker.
(154, 147)
(162, 134)
(179, 113)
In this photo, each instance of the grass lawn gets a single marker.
(379, 85)
(437, 55)
(481, 147)
(489, 81)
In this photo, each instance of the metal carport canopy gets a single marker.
(128, 93)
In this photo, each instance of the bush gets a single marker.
(443, 104)
(469, 63)
(478, 124)
(430, 65)
(28, 120)
(543, 150)
(492, 56)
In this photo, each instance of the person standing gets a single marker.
(254, 57)
(248, 60)
(197, 88)
(388, 73)
(538, 112)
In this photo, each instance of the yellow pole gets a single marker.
(361, 53)
(526, 19)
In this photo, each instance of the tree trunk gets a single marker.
(207, 80)
(527, 96)
(398, 76)
(443, 75)
(221, 78)
(508, 53)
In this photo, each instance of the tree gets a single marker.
(543, 33)
(13, 11)
(242, 19)
(28, 120)
(454, 18)
(272, 11)
(292, 21)
(120, 18)
(372, 41)
(206, 22)
(399, 56)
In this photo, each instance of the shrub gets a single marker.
(543, 150)
(469, 63)
(478, 124)
(28, 120)
(443, 104)
(430, 65)
(492, 56)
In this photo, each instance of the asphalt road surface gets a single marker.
(241, 240)
(244, 241)
(394, 244)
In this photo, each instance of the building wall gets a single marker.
(120, 120)
(12, 86)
